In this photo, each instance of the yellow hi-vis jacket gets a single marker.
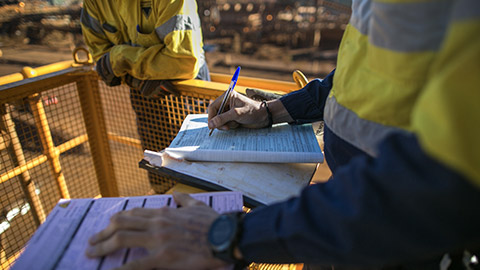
(146, 39)
(411, 66)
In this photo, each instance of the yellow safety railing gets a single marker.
(65, 134)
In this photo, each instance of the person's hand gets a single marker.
(158, 88)
(104, 70)
(175, 238)
(239, 111)
(151, 88)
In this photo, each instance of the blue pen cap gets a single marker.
(235, 75)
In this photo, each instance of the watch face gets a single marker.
(222, 233)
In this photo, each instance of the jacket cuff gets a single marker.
(260, 239)
(301, 106)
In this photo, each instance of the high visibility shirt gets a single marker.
(146, 39)
(411, 193)
(411, 66)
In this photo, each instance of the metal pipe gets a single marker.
(281, 87)
(49, 148)
(20, 169)
(92, 110)
(26, 182)
(42, 159)
(125, 140)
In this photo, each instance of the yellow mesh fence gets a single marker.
(67, 135)
(135, 123)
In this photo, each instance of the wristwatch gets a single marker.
(223, 237)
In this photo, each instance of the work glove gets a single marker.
(105, 72)
(151, 88)
(259, 95)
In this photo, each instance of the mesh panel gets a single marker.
(121, 127)
(46, 140)
(148, 124)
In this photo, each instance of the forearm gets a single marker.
(403, 206)
(152, 63)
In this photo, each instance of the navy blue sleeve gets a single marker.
(401, 206)
(306, 105)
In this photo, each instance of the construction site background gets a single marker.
(268, 39)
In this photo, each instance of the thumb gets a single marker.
(185, 200)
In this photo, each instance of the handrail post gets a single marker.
(93, 116)
(18, 157)
(49, 148)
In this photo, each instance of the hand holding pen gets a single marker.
(241, 111)
(226, 96)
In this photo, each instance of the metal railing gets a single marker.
(65, 134)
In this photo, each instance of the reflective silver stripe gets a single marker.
(410, 27)
(466, 9)
(361, 13)
(361, 133)
(92, 23)
(177, 23)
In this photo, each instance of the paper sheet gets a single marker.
(282, 143)
(265, 183)
(61, 241)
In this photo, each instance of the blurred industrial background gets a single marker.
(268, 38)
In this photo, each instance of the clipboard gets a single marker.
(260, 183)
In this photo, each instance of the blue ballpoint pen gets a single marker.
(233, 82)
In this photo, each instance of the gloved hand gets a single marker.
(260, 95)
(158, 89)
(105, 72)
(151, 88)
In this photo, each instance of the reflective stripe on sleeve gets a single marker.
(409, 27)
(91, 22)
(177, 23)
(363, 134)
(361, 12)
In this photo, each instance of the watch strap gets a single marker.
(228, 255)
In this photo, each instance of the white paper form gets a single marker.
(61, 241)
(97, 219)
(117, 259)
(53, 236)
(281, 143)
(155, 201)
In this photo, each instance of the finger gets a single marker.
(142, 212)
(169, 88)
(185, 200)
(214, 107)
(120, 239)
(120, 221)
(158, 93)
(233, 125)
(230, 125)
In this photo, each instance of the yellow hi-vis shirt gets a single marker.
(411, 66)
(146, 39)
